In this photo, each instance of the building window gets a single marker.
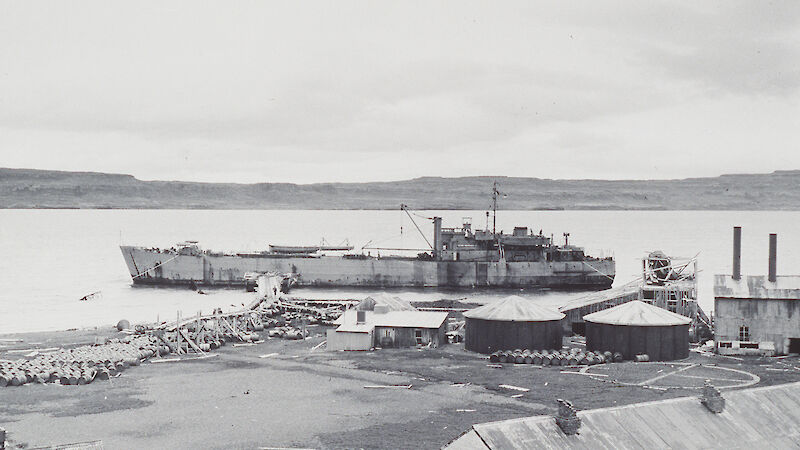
(744, 333)
(418, 336)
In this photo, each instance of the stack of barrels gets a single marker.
(80, 365)
(287, 332)
(571, 357)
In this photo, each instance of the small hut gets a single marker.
(512, 323)
(638, 328)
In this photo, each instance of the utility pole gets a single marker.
(566, 239)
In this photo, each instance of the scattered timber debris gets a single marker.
(515, 388)
(390, 386)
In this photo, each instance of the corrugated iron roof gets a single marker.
(601, 296)
(403, 319)
(514, 309)
(622, 291)
(764, 417)
(391, 302)
(784, 287)
(355, 328)
(637, 313)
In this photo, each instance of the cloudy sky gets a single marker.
(360, 91)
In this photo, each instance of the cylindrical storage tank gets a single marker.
(512, 323)
(636, 328)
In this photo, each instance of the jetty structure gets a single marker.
(667, 282)
(756, 314)
(460, 257)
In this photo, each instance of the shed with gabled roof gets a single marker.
(362, 330)
(636, 328)
(511, 323)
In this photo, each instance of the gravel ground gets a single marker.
(305, 398)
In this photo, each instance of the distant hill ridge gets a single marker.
(31, 188)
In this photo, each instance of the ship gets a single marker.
(458, 258)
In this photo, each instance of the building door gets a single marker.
(794, 345)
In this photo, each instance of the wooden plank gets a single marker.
(467, 441)
(755, 418)
(607, 431)
(638, 421)
(191, 343)
(393, 386)
(788, 409)
(516, 388)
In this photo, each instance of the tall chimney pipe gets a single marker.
(737, 253)
(437, 238)
(773, 257)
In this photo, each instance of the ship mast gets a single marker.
(495, 192)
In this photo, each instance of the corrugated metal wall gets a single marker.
(404, 337)
(487, 336)
(665, 343)
(348, 341)
(768, 320)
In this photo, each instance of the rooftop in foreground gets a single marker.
(766, 417)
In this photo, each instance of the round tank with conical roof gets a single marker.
(511, 323)
(637, 328)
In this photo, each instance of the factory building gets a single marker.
(512, 323)
(638, 328)
(756, 314)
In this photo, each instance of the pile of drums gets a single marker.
(287, 332)
(81, 365)
(570, 357)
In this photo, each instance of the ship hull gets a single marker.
(151, 267)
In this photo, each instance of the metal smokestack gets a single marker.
(437, 238)
(737, 253)
(773, 257)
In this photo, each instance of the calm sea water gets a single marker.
(51, 258)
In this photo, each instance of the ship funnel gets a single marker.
(737, 253)
(773, 257)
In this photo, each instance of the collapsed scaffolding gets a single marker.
(200, 333)
(197, 335)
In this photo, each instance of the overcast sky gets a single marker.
(360, 91)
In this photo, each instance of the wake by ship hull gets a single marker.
(148, 266)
